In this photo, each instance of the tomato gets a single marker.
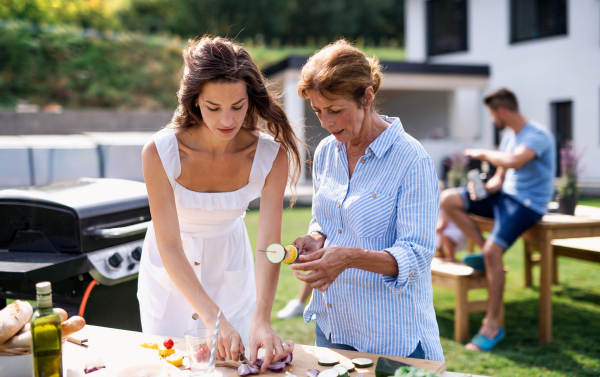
(168, 343)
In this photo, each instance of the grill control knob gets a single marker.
(136, 254)
(114, 262)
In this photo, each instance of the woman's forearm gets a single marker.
(267, 277)
(379, 262)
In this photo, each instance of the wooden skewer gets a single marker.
(267, 251)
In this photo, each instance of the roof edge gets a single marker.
(296, 62)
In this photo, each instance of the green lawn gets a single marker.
(265, 56)
(575, 350)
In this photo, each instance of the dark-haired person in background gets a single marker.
(517, 198)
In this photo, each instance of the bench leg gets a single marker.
(528, 264)
(546, 274)
(555, 269)
(461, 312)
(470, 246)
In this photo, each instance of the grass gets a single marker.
(265, 56)
(575, 350)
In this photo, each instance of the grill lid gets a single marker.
(88, 197)
(73, 217)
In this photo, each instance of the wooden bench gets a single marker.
(586, 248)
(461, 278)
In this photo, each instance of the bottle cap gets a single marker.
(43, 288)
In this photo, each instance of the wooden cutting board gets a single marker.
(306, 357)
(122, 347)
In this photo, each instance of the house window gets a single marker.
(446, 26)
(535, 19)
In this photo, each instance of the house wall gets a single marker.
(424, 114)
(540, 71)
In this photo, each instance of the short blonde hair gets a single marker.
(340, 69)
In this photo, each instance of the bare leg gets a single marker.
(452, 203)
(450, 246)
(304, 293)
(494, 271)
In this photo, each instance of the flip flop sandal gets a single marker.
(486, 343)
(475, 261)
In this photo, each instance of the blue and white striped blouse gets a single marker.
(391, 203)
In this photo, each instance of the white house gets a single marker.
(547, 51)
(437, 103)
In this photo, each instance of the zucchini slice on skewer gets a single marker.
(275, 253)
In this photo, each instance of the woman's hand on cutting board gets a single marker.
(229, 342)
(262, 335)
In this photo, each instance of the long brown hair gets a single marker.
(217, 59)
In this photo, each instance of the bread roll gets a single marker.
(72, 325)
(13, 318)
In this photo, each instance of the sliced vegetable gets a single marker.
(327, 362)
(275, 253)
(92, 369)
(312, 372)
(329, 373)
(288, 359)
(277, 367)
(259, 362)
(341, 370)
(288, 374)
(243, 370)
(362, 362)
(348, 365)
(291, 255)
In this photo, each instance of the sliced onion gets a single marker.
(288, 374)
(360, 375)
(243, 370)
(259, 362)
(312, 372)
(288, 359)
(277, 367)
(92, 369)
(253, 370)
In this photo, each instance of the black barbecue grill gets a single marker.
(72, 234)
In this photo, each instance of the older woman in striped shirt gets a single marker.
(376, 200)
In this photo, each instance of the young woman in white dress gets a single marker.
(201, 172)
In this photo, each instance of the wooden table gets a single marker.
(585, 223)
(120, 347)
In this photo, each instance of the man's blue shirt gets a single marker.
(533, 184)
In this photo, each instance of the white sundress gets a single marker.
(215, 243)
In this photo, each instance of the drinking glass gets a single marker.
(198, 343)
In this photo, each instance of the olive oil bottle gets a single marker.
(46, 335)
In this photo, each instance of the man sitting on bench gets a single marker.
(517, 198)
